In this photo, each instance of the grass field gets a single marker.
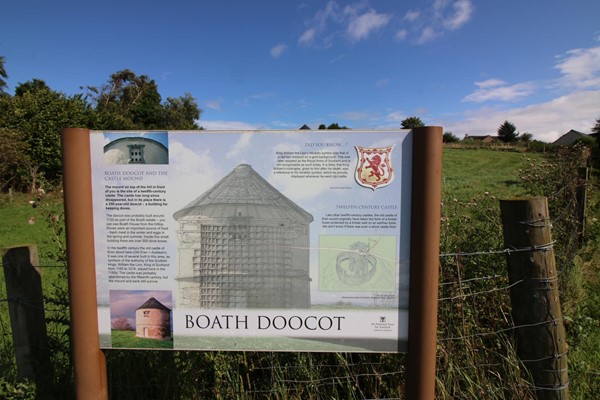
(467, 174)
(472, 172)
(128, 340)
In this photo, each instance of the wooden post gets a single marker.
(27, 318)
(539, 329)
(424, 262)
(88, 360)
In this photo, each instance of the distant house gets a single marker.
(570, 137)
(482, 139)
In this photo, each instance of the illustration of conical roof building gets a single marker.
(243, 244)
(153, 320)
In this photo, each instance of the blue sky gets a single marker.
(466, 65)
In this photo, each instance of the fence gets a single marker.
(476, 355)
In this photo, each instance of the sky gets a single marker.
(463, 64)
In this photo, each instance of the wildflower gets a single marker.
(31, 220)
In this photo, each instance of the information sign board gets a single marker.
(253, 240)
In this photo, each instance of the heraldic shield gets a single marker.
(374, 166)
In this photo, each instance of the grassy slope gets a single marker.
(468, 173)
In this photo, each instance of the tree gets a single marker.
(3, 76)
(449, 137)
(39, 114)
(412, 122)
(13, 158)
(128, 101)
(526, 137)
(507, 132)
(33, 85)
(181, 112)
(334, 125)
(596, 148)
(121, 324)
(596, 128)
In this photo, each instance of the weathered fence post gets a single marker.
(536, 311)
(424, 262)
(26, 310)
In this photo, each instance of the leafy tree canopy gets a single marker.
(3, 76)
(129, 101)
(31, 86)
(334, 125)
(507, 132)
(449, 137)
(13, 159)
(39, 114)
(596, 128)
(412, 122)
(526, 137)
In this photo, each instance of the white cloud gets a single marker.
(444, 16)
(546, 121)
(278, 50)
(496, 89)
(428, 34)
(257, 96)
(401, 35)
(361, 26)
(412, 15)
(357, 20)
(395, 116)
(382, 82)
(580, 68)
(190, 166)
(356, 115)
(336, 59)
(238, 148)
(463, 10)
(219, 125)
(213, 104)
(307, 37)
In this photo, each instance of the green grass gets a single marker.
(23, 224)
(128, 340)
(472, 172)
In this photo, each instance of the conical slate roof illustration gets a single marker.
(244, 192)
(243, 244)
(154, 304)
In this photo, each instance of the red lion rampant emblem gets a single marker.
(374, 166)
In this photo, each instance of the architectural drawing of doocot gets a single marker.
(243, 244)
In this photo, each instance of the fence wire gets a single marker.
(471, 340)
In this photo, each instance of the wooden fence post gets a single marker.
(27, 318)
(89, 362)
(424, 262)
(536, 312)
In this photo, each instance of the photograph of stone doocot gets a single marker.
(243, 244)
(153, 320)
(135, 150)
